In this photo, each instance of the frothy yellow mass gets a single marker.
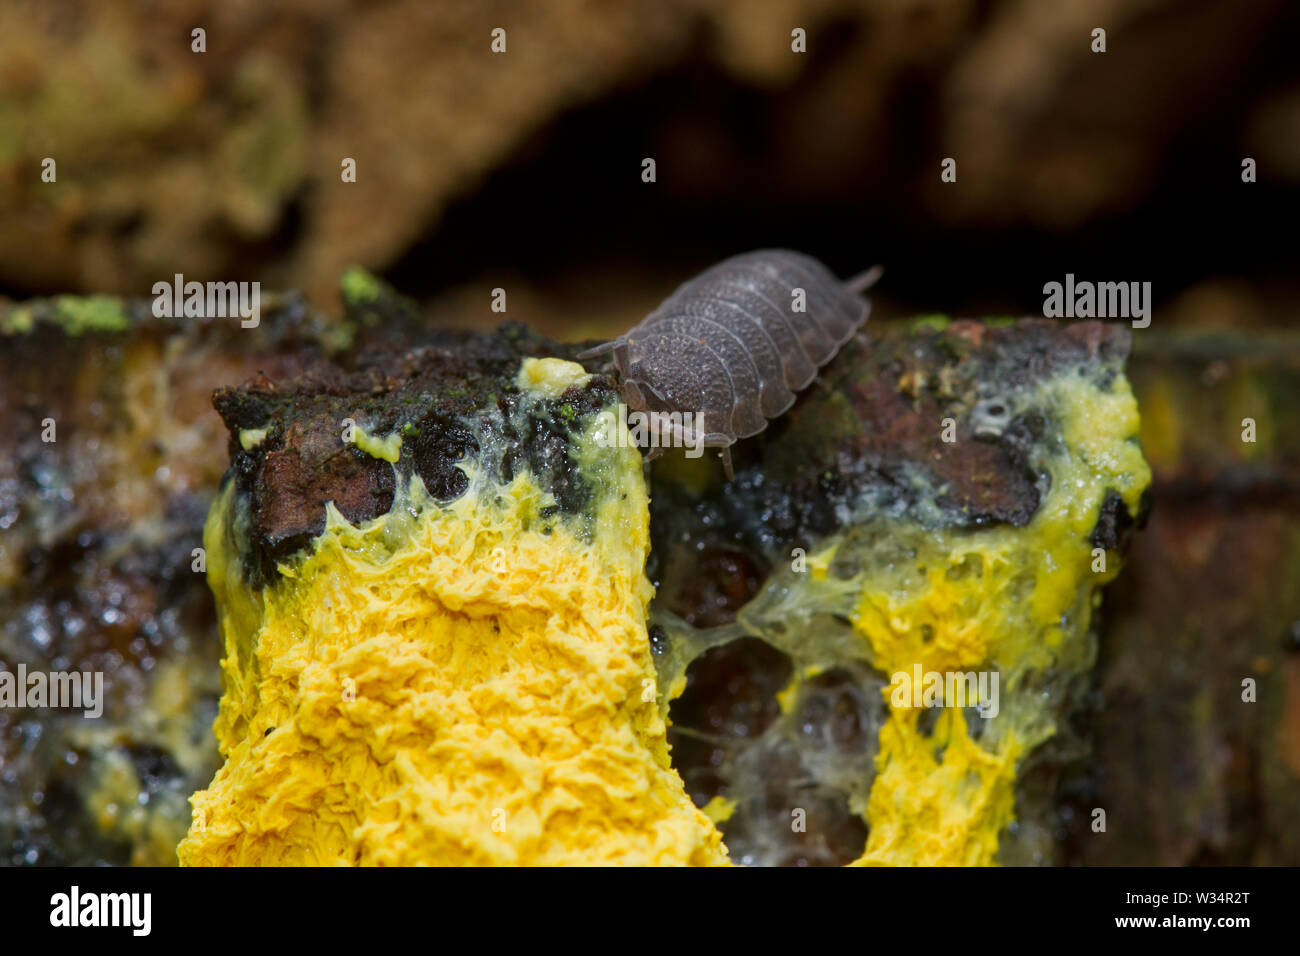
(471, 682)
(1017, 601)
(463, 683)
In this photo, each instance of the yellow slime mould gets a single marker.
(471, 682)
(460, 683)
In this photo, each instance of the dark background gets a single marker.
(523, 169)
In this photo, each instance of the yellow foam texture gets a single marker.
(448, 684)
(1017, 601)
(472, 684)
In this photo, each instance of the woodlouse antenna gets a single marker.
(602, 349)
(863, 281)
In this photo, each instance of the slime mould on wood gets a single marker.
(858, 551)
(770, 712)
(441, 645)
(434, 590)
(431, 587)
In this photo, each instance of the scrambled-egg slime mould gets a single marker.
(443, 646)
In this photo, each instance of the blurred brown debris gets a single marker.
(228, 162)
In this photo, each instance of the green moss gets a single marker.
(936, 322)
(359, 287)
(19, 321)
(92, 313)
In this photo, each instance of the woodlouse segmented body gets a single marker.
(735, 343)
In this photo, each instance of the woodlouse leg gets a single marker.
(725, 455)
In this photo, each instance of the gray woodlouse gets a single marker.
(730, 346)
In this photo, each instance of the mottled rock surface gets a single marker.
(98, 573)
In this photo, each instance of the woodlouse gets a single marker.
(733, 345)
